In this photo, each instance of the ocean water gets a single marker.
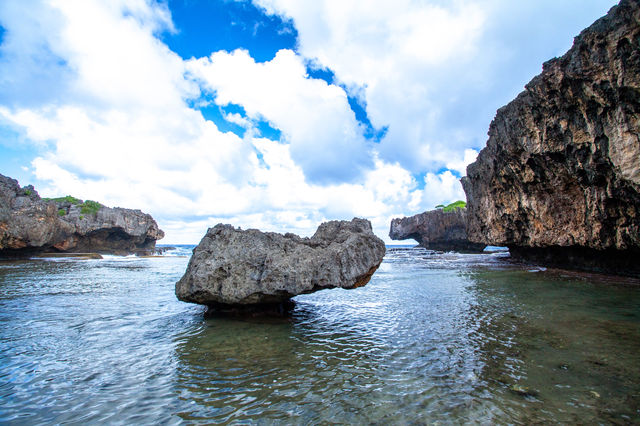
(433, 338)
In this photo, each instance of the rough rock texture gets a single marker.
(436, 230)
(559, 179)
(235, 267)
(30, 225)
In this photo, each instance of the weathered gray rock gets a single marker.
(559, 179)
(235, 267)
(436, 230)
(29, 224)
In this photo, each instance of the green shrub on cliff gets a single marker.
(451, 207)
(67, 199)
(86, 207)
(90, 207)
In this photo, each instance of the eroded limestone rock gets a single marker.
(559, 179)
(29, 224)
(436, 230)
(232, 267)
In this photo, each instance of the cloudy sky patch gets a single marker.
(272, 114)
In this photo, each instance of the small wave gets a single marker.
(118, 257)
(175, 250)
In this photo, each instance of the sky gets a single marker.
(268, 114)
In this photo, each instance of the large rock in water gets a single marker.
(29, 224)
(231, 267)
(436, 230)
(559, 179)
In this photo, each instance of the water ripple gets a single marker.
(433, 337)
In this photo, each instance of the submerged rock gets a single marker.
(523, 390)
(559, 179)
(30, 225)
(436, 230)
(231, 267)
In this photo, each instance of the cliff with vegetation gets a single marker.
(559, 179)
(30, 224)
(443, 229)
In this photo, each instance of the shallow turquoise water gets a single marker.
(432, 338)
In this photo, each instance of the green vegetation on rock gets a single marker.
(67, 199)
(86, 207)
(90, 207)
(451, 207)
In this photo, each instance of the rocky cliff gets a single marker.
(559, 179)
(30, 224)
(235, 269)
(436, 230)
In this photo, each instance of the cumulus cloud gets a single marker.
(126, 130)
(30, 69)
(439, 187)
(408, 61)
(460, 164)
(124, 133)
(315, 117)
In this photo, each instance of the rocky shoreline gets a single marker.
(30, 225)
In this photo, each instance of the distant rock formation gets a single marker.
(559, 179)
(30, 224)
(436, 230)
(231, 268)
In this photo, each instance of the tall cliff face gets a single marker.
(559, 179)
(436, 230)
(30, 224)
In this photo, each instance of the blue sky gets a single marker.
(274, 114)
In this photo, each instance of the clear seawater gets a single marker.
(433, 338)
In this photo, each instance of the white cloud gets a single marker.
(443, 188)
(238, 119)
(314, 117)
(117, 60)
(460, 164)
(400, 57)
(123, 131)
(30, 70)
